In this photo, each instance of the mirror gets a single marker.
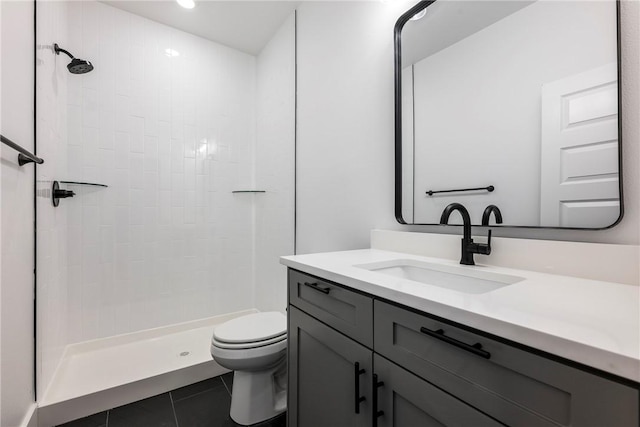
(514, 102)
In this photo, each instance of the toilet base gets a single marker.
(259, 396)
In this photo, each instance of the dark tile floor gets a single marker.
(203, 404)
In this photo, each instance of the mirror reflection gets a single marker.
(515, 102)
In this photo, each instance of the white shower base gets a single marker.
(94, 376)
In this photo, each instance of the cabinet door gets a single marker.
(405, 400)
(328, 372)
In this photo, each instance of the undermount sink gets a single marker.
(454, 278)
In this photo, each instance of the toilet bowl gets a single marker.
(254, 347)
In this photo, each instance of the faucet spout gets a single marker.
(468, 247)
(466, 219)
(467, 241)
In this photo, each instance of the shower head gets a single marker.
(77, 65)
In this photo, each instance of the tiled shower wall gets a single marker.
(166, 120)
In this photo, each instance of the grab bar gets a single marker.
(489, 189)
(24, 157)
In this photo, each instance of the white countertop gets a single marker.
(591, 322)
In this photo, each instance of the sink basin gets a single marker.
(454, 278)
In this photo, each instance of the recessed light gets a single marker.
(187, 4)
(419, 15)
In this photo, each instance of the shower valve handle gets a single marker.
(63, 194)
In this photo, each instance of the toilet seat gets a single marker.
(242, 346)
(253, 330)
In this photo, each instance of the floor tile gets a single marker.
(228, 381)
(207, 409)
(96, 420)
(279, 421)
(155, 411)
(193, 389)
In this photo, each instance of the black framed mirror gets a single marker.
(514, 104)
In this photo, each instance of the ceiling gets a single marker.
(448, 22)
(243, 25)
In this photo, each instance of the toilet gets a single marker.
(254, 347)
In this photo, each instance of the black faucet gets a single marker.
(487, 214)
(468, 247)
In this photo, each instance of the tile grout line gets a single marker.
(175, 416)
(225, 385)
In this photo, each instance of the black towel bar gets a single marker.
(24, 157)
(489, 189)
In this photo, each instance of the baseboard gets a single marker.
(31, 417)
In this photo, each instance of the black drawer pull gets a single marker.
(356, 373)
(374, 407)
(475, 348)
(317, 287)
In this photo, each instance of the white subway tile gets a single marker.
(150, 154)
(123, 107)
(136, 131)
(136, 171)
(90, 107)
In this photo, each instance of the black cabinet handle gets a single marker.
(375, 413)
(356, 374)
(475, 348)
(317, 287)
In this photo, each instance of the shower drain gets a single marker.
(184, 353)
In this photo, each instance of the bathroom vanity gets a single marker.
(373, 342)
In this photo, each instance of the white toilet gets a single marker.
(255, 347)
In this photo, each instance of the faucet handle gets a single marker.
(485, 248)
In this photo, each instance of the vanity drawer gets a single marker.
(346, 311)
(512, 385)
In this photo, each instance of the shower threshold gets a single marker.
(97, 375)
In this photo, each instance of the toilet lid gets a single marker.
(247, 345)
(252, 328)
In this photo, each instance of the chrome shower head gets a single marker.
(77, 65)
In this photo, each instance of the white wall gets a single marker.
(16, 292)
(345, 128)
(274, 167)
(345, 123)
(480, 124)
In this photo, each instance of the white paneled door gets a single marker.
(579, 154)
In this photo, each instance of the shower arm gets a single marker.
(58, 49)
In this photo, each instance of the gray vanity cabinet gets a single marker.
(327, 372)
(352, 355)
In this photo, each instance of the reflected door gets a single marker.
(579, 153)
